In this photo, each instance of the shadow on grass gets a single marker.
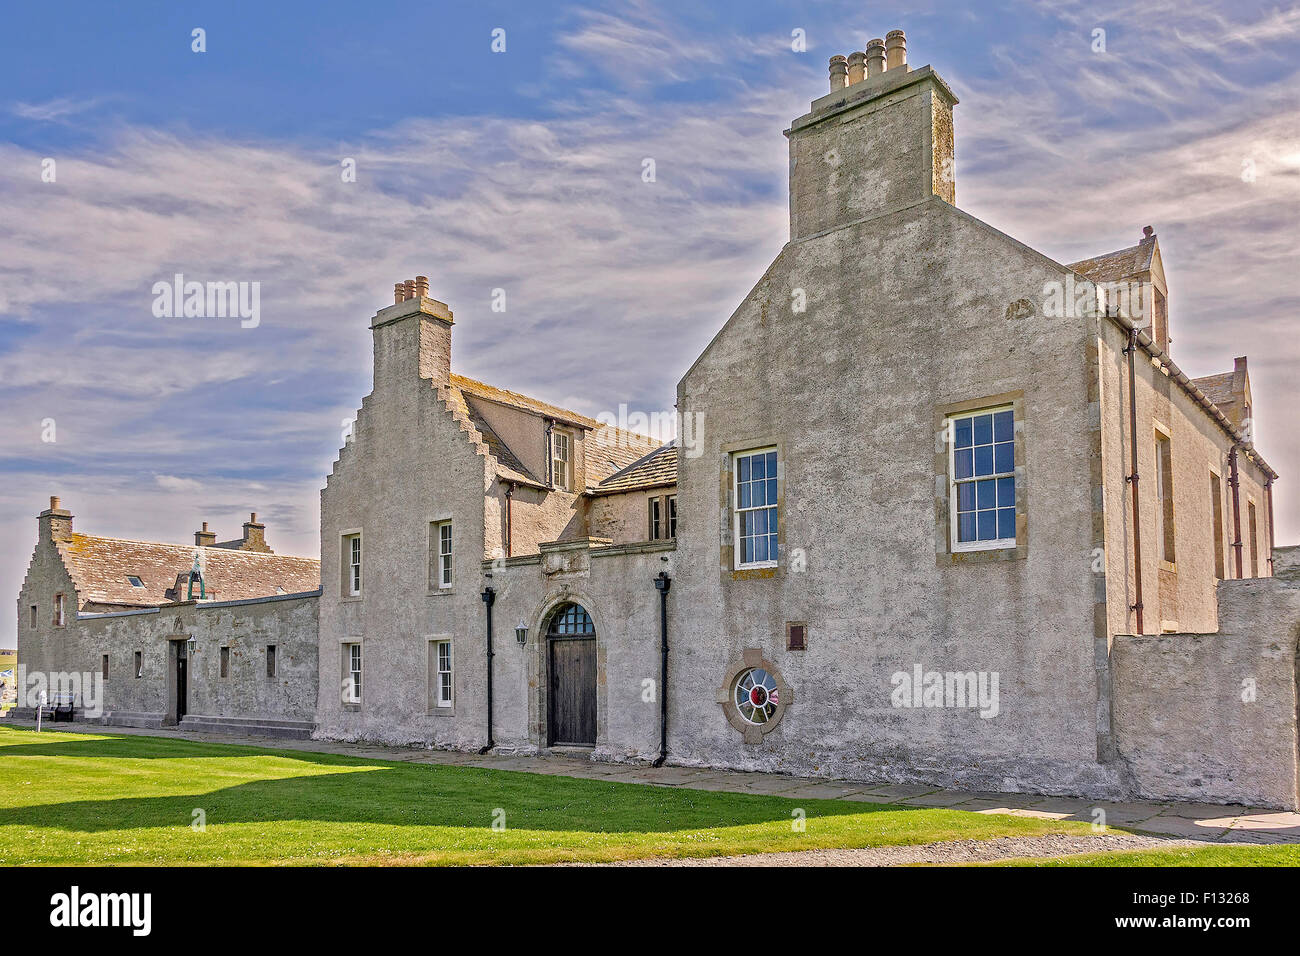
(397, 794)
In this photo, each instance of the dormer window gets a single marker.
(134, 581)
(561, 460)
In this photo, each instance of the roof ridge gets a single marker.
(192, 547)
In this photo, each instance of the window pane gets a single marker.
(966, 526)
(1006, 492)
(988, 525)
(771, 464)
(963, 433)
(986, 496)
(966, 497)
(744, 469)
(1003, 426)
(1006, 522)
(771, 491)
(757, 466)
(1004, 457)
(760, 522)
(983, 459)
(744, 495)
(963, 462)
(983, 429)
(760, 548)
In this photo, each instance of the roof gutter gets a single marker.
(1188, 386)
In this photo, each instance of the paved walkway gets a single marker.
(1196, 821)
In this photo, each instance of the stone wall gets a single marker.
(246, 697)
(1212, 717)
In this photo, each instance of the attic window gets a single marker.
(279, 590)
(134, 581)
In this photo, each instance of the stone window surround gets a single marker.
(345, 670)
(752, 657)
(432, 707)
(1162, 432)
(345, 565)
(945, 556)
(726, 493)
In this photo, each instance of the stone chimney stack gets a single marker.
(880, 141)
(54, 523)
(254, 535)
(205, 538)
(412, 338)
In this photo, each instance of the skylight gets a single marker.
(134, 581)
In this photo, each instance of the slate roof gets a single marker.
(1121, 264)
(610, 450)
(655, 470)
(100, 566)
(515, 400)
(1217, 388)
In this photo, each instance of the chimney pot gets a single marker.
(422, 286)
(408, 288)
(875, 57)
(399, 293)
(54, 502)
(1147, 232)
(839, 72)
(205, 526)
(895, 49)
(857, 66)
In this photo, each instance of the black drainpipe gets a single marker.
(662, 583)
(489, 598)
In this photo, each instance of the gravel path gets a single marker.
(958, 851)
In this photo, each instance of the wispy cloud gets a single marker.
(55, 110)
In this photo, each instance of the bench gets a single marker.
(59, 707)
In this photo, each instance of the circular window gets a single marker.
(756, 695)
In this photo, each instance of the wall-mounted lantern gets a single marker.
(521, 633)
(192, 645)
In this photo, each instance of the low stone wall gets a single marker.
(1213, 717)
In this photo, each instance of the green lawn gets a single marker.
(69, 798)
(1228, 855)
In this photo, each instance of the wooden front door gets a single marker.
(571, 641)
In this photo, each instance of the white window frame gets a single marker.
(656, 519)
(444, 568)
(561, 459)
(353, 556)
(672, 515)
(737, 512)
(444, 691)
(996, 544)
(354, 664)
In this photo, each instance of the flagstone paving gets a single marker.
(1195, 821)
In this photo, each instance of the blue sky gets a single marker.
(521, 170)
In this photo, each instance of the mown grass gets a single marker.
(1225, 855)
(76, 798)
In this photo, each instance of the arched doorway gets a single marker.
(571, 652)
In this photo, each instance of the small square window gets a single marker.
(225, 661)
(139, 664)
(270, 660)
(134, 581)
(104, 666)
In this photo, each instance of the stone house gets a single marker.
(147, 634)
(942, 510)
